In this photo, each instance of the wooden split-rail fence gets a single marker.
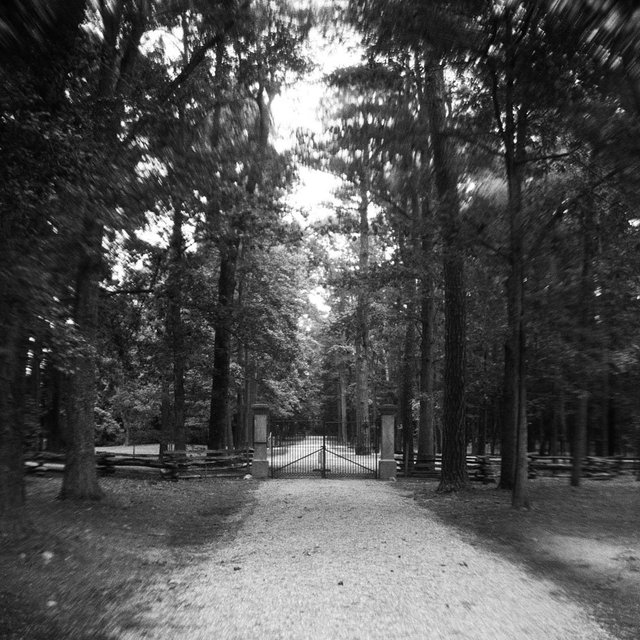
(172, 465)
(486, 468)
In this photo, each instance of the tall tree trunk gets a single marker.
(513, 445)
(426, 454)
(166, 413)
(579, 445)
(12, 496)
(606, 398)
(423, 243)
(520, 496)
(221, 377)
(362, 327)
(454, 468)
(175, 328)
(406, 389)
(80, 479)
(80, 476)
(251, 395)
(515, 374)
(509, 419)
(54, 428)
(342, 401)
(556, 443)
(220, 417)
(585, 329)
(512, 123)
(514, 366)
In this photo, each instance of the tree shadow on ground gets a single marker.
(586, 540)
(85, 569)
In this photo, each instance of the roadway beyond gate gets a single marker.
(301, 449)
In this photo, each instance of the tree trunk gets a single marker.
(406, 390)
(220, 418)
(246, 398)
(221, 377)
(520, 495)
(585, 331)
(514, 365)
(454, 467)
(80, 479)
(509, 407)
(426, 455)
(362, 328)
(80, 476)
(482, 435)
(13, 520)
(54, 427)
(579, 448)
(512, 122)
(342, 401)
(606, 397)
(175, 328)
(423, 246)
(251, 399)
(166, 411)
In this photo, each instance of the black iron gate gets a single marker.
(302, 449)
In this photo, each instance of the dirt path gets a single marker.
(353, 559)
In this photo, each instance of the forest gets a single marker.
(477, 263)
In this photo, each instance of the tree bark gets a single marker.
(362, 328)
(219, 417)
(513, 128)
(342, 400)
(454, 467)
(585, 329)
(13, 521)
(166, 410)
(80, 479)
(406, 390)
(175, 328)
(221, 377)
(520, 495)
(426, 454)
(424, 231)
(80, 476)
(605, 403)
(53, 421)
(579, 448)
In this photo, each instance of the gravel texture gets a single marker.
(353, 559)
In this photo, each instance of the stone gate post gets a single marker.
(387, 464)
(260, 464)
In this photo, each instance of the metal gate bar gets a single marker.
(292, 451)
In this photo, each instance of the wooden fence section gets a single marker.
(486, 469)
(597, 468)
(207, 463)
(480, 468)
(174, 465)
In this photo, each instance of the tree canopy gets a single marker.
(477, 264)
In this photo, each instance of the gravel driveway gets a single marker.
(353, 559)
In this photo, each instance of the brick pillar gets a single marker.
(387, 463)
(260, 464)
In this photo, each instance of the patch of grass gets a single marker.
(586, 539)
(82, 561)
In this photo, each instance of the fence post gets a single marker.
(260, 464)
(387, 464)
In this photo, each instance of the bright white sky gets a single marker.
(299, 107)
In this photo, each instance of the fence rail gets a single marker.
(487, 468)
(174, 465)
